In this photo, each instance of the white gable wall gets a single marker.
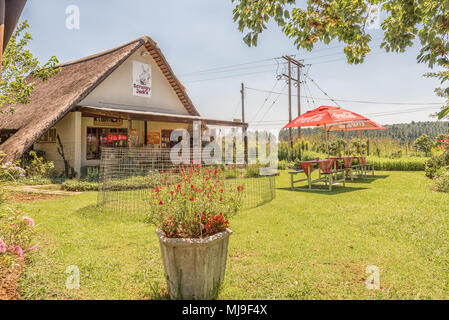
(116, 91)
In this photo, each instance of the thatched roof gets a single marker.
(53, 99)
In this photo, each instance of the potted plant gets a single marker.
(193, 229)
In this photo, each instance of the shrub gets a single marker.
(16, 235)
(38, 167)
(11, 172)
(253, 170)
(311, 155)
(437, 162)
(79, 185)
(402, 164)
(285, 165)
(93, 174)
(198, 206)
(441, 181)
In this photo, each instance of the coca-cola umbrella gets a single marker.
(356, 126)
(326, 117)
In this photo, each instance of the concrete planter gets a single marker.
(194, 268)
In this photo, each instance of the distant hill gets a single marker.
(405, 132)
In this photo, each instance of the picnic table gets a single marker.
(363, 167)
(328, 173)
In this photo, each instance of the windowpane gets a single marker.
(104, 137)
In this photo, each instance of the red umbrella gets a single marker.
(325, 116)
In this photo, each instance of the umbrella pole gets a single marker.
(347, 140)
(327, 144)
(360, 137)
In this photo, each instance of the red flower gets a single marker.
(240, 188)
(221, 190)
(161, 203)
(192, 199)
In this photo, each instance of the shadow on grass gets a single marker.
(95, 212)
(367, 179)
(324, 189)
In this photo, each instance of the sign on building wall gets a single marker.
(141, 79)
(108, 122)
(154, 138)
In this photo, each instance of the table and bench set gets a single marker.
(331, 171)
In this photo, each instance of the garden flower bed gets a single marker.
(16, 234)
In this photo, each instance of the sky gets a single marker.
(206, 51)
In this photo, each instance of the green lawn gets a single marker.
(302, 245)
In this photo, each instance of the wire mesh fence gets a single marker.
(128, 176)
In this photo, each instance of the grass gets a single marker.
(302, 245)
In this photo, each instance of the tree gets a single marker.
(444, 93)
(424, 144)
(347, 22)
(20, 68)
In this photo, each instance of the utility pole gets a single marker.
(298, 87)
(290, 138)
(289, 77)
(244, 129)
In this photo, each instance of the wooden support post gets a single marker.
(290, 138)
(327, 143)
(360, 137)
(130, 127)
(244, 129)
(145, 132)
(299, 96)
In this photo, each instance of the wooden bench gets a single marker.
(292, 178)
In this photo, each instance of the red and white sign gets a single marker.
(141, 79)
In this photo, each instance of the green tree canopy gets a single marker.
(20, 68)
(424, 144)
(347, 22)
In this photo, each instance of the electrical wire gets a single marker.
(355, 101)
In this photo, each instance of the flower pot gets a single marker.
(194, 268)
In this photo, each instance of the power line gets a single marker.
(325, 93)
(379, 114)
(230, 76)
(265, 101)
(269, 59)
(274, 102)
(227, 67)
(357, 101)
(235, 69)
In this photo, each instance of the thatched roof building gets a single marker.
(63, 93)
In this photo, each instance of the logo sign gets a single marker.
(314, 118)
(141, 79)
(109, 122)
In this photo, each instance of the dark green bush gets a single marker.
(441, 180)
(401, 164)
(435, 163)
(79, 185)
